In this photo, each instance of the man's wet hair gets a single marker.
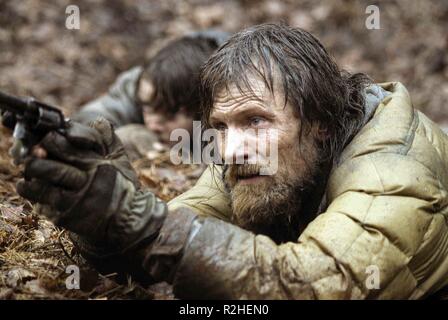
(174, 72)
(310, 80)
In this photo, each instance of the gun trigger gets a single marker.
(19, 130)
(18, 152)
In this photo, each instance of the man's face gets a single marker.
(162, 123)
(260, 201)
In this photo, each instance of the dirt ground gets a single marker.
(40, 57)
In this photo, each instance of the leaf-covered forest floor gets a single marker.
(39, 57)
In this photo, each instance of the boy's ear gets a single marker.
(183, 109)
(145, 90)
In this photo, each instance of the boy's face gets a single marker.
(162, 123)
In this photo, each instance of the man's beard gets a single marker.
(279, 206)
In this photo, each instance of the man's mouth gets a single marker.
(250, 179)
(244, 175)
(249, 176)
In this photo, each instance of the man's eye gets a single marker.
(220, 126)
(256, 121)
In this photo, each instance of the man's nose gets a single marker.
(237, 147)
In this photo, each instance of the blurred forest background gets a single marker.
(39, 57)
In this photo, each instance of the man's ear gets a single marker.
(320, 132)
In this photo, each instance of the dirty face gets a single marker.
(261, 201)
(163, 124)
(159, 122)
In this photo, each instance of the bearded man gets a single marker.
(360, 186)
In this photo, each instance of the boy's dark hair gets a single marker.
(310, 80)
(174, 72)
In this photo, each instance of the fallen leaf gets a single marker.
(38, 237)
(31, 221)
(7, 227)
(13, 214)
(35, 287)
(6, 294)
(18, 275)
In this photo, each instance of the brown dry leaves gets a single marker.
(166, 180)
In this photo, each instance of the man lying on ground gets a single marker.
(356, 208)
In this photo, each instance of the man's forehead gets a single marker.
(235, 99)
(257, 94)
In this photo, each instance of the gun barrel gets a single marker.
(13, 104)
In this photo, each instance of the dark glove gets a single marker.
(87, 185)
